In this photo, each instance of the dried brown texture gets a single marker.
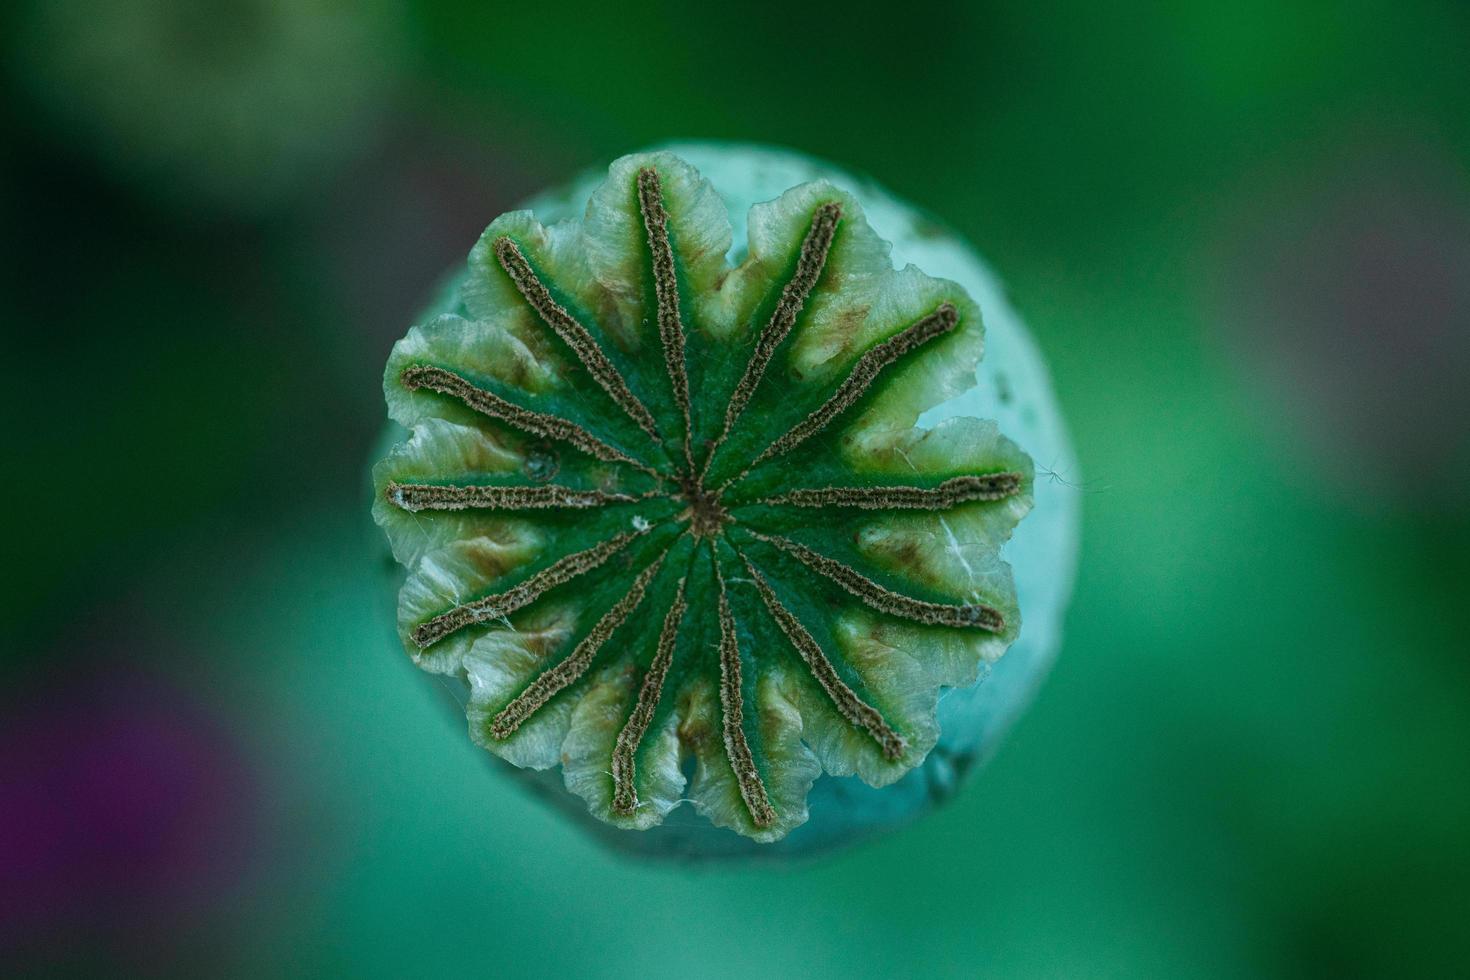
(973, 615)
(566, 673)
(952, 492)
(522, 595)
(625, 792)
(863, 373)
(415, 497)
(706, 515)
(445, 382)
(732, 713)
(857, 711)
(666, 289)
(572, 333)
(809, 265)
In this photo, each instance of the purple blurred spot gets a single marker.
(122, 802)
(1344, 287)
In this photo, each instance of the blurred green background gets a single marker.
(1241, 233)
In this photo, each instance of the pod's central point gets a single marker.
(706, 515)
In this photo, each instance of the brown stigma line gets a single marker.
(974, 615)
(625, 793)
(519, 596)
(857, 711)
(867, 368)
(445, 382)
(415, 497)
(566, 673)
(666, 290)
(572, 333)
(809, 265)
(732, 712)
(952, 492)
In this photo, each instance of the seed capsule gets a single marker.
(749, 563)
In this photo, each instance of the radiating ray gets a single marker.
(809, 265)
(974, 615)
(732, 712)
(857, 711)
(572, 333)
(566, 673)
(414, 497)
(522, 595)
(951, 493)
(445, 382)
(666, 290)
(625, 793)
(867, 368)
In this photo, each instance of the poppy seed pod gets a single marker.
(720, 476)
